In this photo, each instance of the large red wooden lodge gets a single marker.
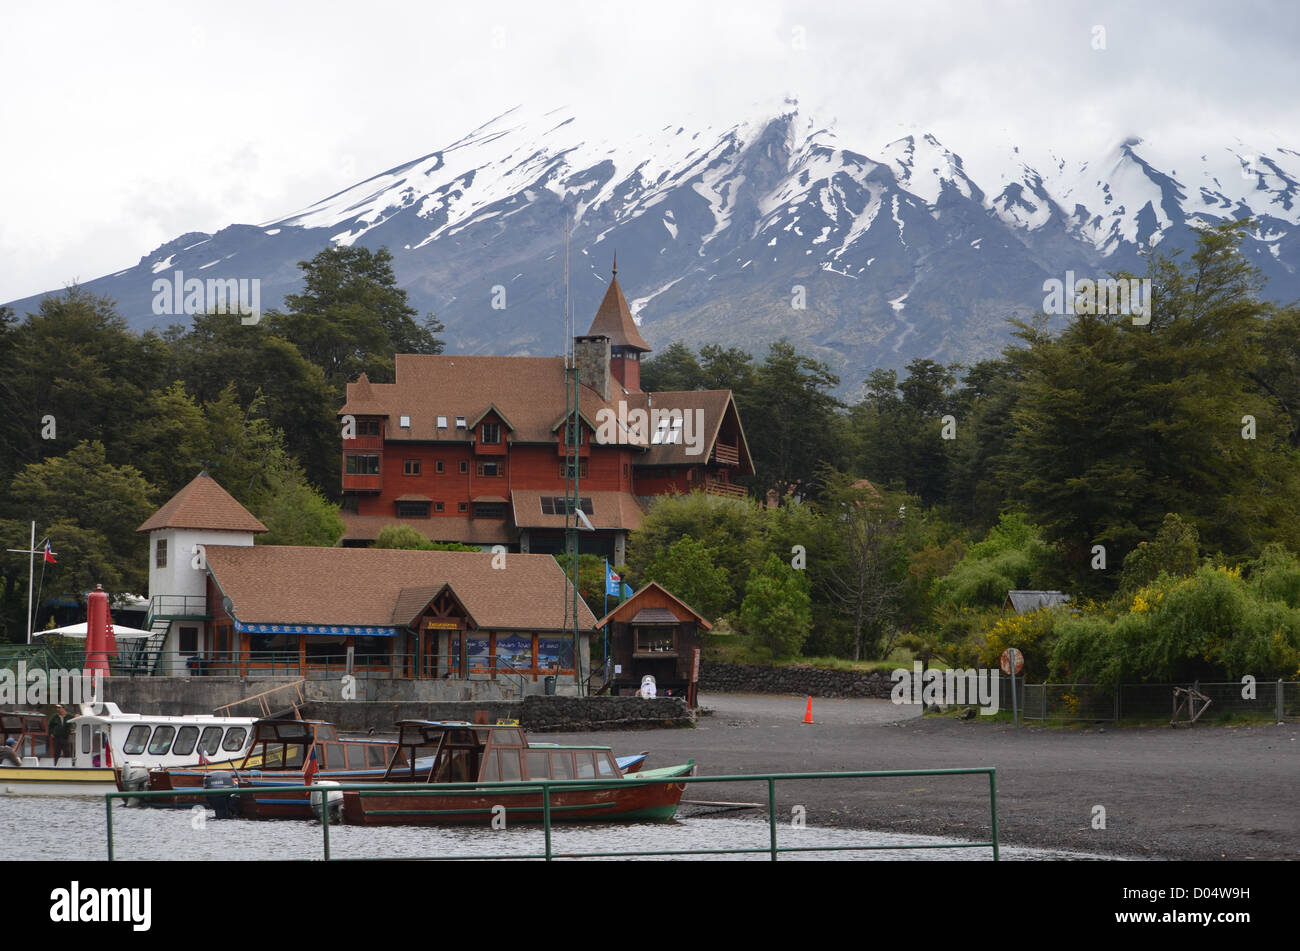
(472, 449)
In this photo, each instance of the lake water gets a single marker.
(67, 828)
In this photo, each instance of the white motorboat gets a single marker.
(112, 750)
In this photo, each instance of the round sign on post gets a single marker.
(1010, 657)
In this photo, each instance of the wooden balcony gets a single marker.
(725, 489)
(726, 455)
(362, 483)
(363, 442)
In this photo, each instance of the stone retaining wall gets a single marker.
(798, 681)
(175, 696)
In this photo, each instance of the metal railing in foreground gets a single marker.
(773, 849)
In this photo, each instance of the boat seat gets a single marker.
(31, 761)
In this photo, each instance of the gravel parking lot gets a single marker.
(1202, 793)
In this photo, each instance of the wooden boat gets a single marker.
(441, 752)
(630, 764)
(114, 750)
(280, 754)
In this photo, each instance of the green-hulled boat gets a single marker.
(495, 759)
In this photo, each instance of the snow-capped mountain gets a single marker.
(741, 235)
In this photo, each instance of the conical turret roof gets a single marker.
(614, 319)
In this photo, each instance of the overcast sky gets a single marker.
(127, 124)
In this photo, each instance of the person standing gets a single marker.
(60, 729)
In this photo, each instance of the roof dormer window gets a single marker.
(404, 422)
(460, 422)
(669, 430)
(442, 422)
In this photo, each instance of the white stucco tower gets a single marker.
(201, 514)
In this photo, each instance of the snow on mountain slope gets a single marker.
(900, 250)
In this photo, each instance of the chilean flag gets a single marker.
(49, 555)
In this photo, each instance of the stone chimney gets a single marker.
(592, 357)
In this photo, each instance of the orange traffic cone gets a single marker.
(807, 715)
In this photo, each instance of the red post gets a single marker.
(99, 631)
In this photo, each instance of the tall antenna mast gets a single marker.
(569, 355)
(572, 461)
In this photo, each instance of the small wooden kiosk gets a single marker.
(655, 632)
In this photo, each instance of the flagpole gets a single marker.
(31, 574)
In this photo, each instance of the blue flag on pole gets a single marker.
(612, 581)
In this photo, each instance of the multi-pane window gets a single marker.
(489, 469)
(160, 554)
(361, 465)
(413, 509)
(489, 510)
(491, 434)
(411, 467)
(367, 427)
(566, 470)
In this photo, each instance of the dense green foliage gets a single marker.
(1151, 470)
(1097, 455)
(107, 424)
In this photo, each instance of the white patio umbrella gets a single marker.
(79, 630)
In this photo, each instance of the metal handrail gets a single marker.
(545, 786)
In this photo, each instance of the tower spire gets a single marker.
(616, 264)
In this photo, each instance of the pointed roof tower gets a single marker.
(203, 504)
(614, 319)
(362, 400)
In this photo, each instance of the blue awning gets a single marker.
(329, 630)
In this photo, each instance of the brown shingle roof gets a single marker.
(203, 504)
(438, 528)
(274, 584)
(629, 608)
(361, 399)
(614, 319)
(715, 405)
(610, 510)
(411, 601)
(527, 391)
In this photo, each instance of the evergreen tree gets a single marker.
(352, 317)
(795, 424)
(217, 351)
(674, 368)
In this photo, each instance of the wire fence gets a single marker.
(1276, 699)
(454, 801)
